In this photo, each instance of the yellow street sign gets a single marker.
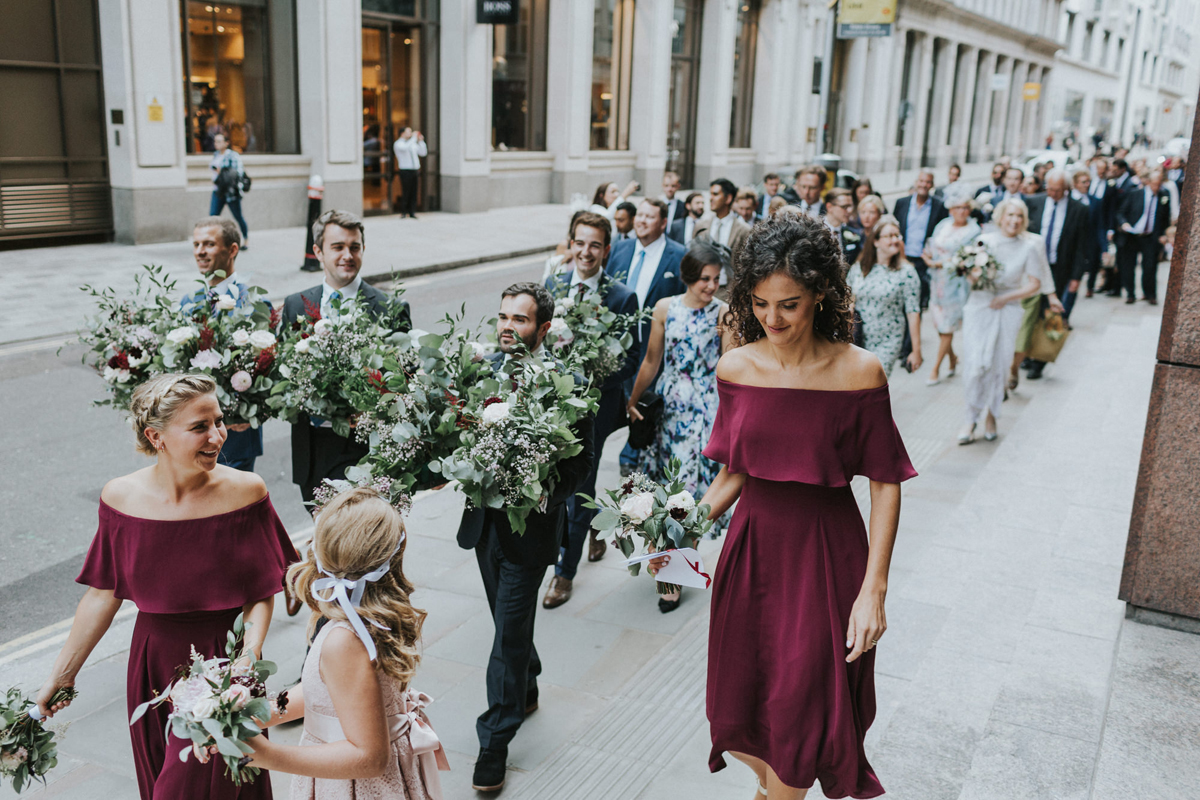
(1032, 91)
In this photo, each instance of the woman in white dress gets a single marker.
(608, 196)
(948, 290)
(991, 318)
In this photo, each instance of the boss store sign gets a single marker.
(497, 12)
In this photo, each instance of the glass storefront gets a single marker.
(743, 73)
(53, 140)
(612, 68)
(519, 80)
(685, 72)
(240, 75)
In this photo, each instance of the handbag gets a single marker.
(1049, 335)
(642, 431)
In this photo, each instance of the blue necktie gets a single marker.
(1050, 233)
(637, 270)
(334, 295)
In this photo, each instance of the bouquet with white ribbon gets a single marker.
(28, 749)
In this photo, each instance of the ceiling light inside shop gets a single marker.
(408, 41)
(220, 29)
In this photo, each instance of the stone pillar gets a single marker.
(854, 83)
(941, 97)
(568, 96)
(1004, 66)
(878, 129)
(964, 97)
(1162, 557)
(1012, 121)
(803, 105)
(979, 149)
(894, 149)
(717, 41)
(649, 105)
(918, 95)
(775, 71)
(466, 109)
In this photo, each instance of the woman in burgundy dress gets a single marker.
(798, 594)
(193, 544)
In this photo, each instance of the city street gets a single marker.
(1007, 671)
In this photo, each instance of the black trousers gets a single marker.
(512, 593)
(408, 190)
(923, 273)
(1149, 248)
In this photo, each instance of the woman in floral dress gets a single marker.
(948, 290)
(686, 339)
(887, 295)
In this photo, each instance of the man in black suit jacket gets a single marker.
(922, 203)
(1064, 224)
(770, 190)
(675, 207)
(838, 205)
(512, 565)
(1142, 221)
(338, 242)
(683, 229)
(589, 250)
(805, 193)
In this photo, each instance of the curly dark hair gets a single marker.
(807, 251)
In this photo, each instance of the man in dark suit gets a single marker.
(589, 249)
(1066, 229)
(770, 190)
(684, 230)
(338, 242)
(1097, 243)
(512, 565)
(996, 185)
(1142, 222)
(838, 205)
(723, 225)
(918, 214)
(805, 193)
(675, 207)
(649, 266)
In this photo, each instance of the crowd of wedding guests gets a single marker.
(781, 281)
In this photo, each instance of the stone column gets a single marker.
(1012, 114)
(649, 105)
(569, 96)
(466, 109)
(918, 95)
(941, 97)
(854, 83)
(999, 116)
(894, 150)
(1162, 557)
(978, 149)
(878, 129)
(775, 71)
(716, 90)
(803, 108)
(964, 98)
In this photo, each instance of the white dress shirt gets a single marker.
(409, 153)
(689, 228)
(348, 291)
(592, 283)
(721, 228)
(670, 211)
(1145, 223)
(654, 253)
(1059, 210)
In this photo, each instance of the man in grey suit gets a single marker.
(338, 242)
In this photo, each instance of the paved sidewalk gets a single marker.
(1008, 671)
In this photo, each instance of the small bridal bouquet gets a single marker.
(28, 749)
(975, 262)
(589, 337)
(220, 703)
(332, 369)
(665, 516)
(516, 426)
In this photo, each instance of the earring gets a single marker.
(819, 306)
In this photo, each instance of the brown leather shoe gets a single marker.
(558, 593)
(596, 548)
(293, 603)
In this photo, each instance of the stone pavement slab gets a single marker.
(1008, 670)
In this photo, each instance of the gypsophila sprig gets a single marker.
(665, 516)
(978, 265)
(590, 338)
(330, 488)
(220, 702)
(28, 748)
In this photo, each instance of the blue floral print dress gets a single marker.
(688, 384)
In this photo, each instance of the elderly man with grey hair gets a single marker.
(1065, 227)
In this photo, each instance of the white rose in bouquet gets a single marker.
(563, 332)
(241, 381)
(226, 302)
(205, 707)
(116, 375)
(567, 303)
(303, 346)
(496, 412)
(480, 350)
(241, 337)
(137, 361)
(10, 761)
(638, 507)
(262, 339)
(981, 260)
(683, 501)
(206, 359)
(322, 327)
(237, 694)
(181, 335)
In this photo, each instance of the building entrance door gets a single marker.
(685, 74)
(394, 98)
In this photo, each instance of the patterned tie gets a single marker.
(637, 270)
(1050, 233)
(1149, 213)
(334, 295)
(581, 291)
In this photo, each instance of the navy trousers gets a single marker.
(579, 518)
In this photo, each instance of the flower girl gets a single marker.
(365, 732)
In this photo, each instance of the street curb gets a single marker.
(53, 339)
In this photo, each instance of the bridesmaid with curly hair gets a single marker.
(798, 594)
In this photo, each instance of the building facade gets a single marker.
(122, 98)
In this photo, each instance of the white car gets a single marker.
(1061, 159)
(1178, 147)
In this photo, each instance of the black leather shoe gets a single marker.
(1035, 371)
(489, 770)
(1026, 363)
(667, 606)
(1130, 300)
(531, 701)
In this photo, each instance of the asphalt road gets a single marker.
(60, 450)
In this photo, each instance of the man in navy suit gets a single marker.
(649, 266)
(1097, 241)
(1142, 222)
(771, 183)
(918, 214)
(683, 229)
(589, 248)
(675, 208)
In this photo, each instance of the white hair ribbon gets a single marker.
(348, 594)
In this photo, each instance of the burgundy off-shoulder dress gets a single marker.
(189, 579)
(794, 558)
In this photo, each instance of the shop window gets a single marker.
(240, 75)
(612, 67)
(743, 73)
(519, 80)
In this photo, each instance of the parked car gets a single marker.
(1061, 159)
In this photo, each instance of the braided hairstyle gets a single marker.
(157, 400)
(806, 250)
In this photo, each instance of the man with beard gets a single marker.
(512, 565)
